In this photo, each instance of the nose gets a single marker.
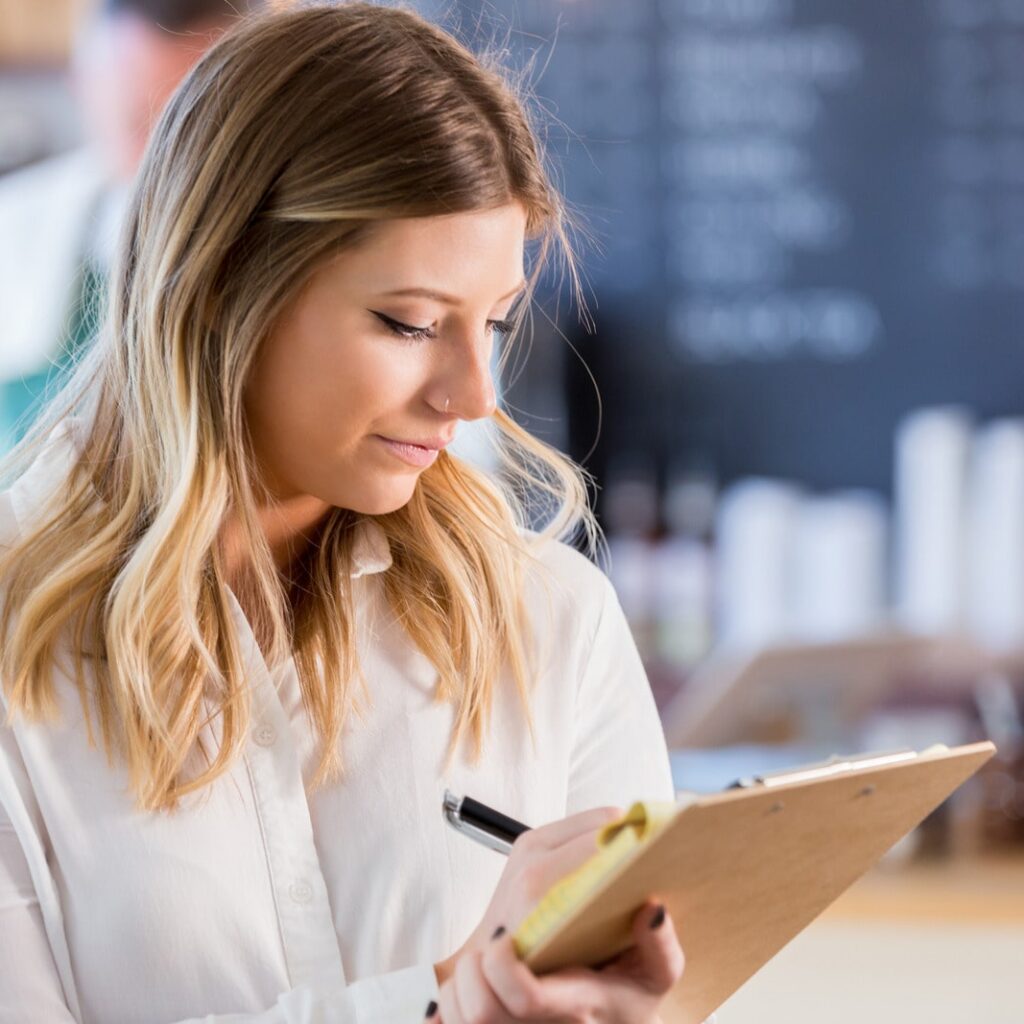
(467, 384)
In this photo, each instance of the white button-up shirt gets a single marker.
(260, 902)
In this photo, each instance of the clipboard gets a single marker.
(744, 871)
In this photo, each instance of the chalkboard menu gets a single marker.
(810, 214)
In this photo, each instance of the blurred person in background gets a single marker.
(59, 219)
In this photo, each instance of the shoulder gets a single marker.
(30, 493)
(9, 531)
(564, 583)
(561, 558)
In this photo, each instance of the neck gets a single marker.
(289, 527)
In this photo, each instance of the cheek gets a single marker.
(327, 393)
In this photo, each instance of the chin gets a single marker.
(382, 503)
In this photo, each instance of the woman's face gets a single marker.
(339, 373)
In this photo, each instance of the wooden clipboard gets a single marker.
(744, 871)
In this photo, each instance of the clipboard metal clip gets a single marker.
(834, 765)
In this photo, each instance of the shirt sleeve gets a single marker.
(619, 754)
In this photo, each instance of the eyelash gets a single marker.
(503, 327)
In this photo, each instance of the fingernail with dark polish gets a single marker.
(498, 932)
(431, 1009)
(659, 917)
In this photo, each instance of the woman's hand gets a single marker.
(538, 859)
(495, 987)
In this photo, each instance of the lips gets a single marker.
(414, 454)
(432, 444)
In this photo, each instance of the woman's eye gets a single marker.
(404, 330)
(501, 327)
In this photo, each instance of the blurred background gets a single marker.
(801, 396)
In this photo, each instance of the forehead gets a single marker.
(466, 253)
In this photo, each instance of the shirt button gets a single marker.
(264, 735)
(300, 892)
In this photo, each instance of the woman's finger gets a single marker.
(477, 1001)
(655, 961)
(661, 954)
(448, 1011)
(568, 993)
(542, 873)
(555, 833)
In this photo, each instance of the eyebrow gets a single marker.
(451, 300)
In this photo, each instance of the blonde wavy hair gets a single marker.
(289, 139)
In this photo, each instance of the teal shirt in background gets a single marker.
(21, 398)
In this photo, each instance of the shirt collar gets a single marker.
(371, 552)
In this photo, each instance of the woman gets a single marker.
(235, 539)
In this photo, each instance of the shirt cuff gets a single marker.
(397, 995)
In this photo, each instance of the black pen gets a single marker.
(487, 826)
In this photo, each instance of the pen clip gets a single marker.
(452, 809)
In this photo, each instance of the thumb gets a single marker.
(657, 959)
